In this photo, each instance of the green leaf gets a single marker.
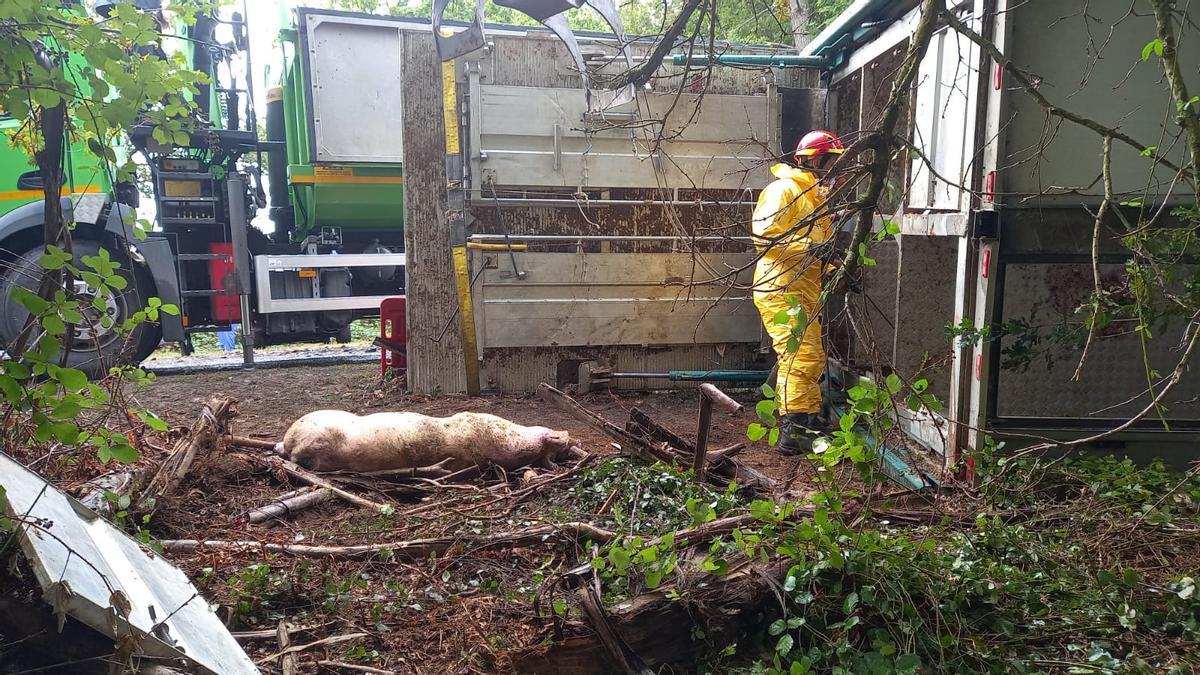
(850, 603)
(1155, 47)
(784, 646)
(153, 421)
(767, 391)
(13, 392)
(116, 281)
(893, 383)
(773, 437)
(30, 300)
(765, 410)
(71, 379)
(173, 310)
(619, 558)
(54, 324)
(65, 432)
(782, 318)
(66, 410)
(124, 453)
(756, 431)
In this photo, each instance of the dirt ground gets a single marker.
(270, 400)
(460, 612)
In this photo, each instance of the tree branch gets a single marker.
(1096, 232)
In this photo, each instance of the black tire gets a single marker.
(344, 336)
(93, 353)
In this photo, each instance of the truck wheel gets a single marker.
(344, 335)
(96, 347)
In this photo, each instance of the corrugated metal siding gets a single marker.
(435, 356)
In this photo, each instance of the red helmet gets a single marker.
(817, 143)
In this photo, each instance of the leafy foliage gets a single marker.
(107, 74)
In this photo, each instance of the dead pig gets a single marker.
(334, 440)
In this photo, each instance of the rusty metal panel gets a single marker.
(435, 354)
(926, 286)
(1113, 382)
(594, 299)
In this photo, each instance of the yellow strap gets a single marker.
(466, 313)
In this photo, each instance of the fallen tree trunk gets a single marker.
(287, 504)
(416, 549)
(202, 437)
(659, 629)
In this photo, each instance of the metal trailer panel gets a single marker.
(537, 137)
(82, 562)
(354, 67)
(598, 299)
(1058, 40)
(1113, 382)
(943, 119)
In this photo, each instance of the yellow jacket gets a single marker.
(792, 197)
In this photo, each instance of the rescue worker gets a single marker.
(788, 275)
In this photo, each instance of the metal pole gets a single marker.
(702, 438)
(708, 395)
(236, 193)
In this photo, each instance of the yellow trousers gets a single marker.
(797, 386)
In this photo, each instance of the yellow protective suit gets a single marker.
(787, 269)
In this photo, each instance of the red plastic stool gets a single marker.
(393, 329)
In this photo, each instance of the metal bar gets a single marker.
(755, 376)
(466, 310)
(566, 238)
(496, 247)
(763, 60)
(273, 263)
(575, 203)
(238, 222)
(266, 305)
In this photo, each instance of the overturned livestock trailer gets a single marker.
(546, 226)
(997, 203)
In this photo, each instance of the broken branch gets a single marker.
(203, 436)
(313, 479)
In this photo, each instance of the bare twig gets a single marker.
(203, 436)
(1096, 234)
(332, 640)
(285, 505)
(313, 479)
(287, 659)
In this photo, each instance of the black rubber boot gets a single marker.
(797, 432)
